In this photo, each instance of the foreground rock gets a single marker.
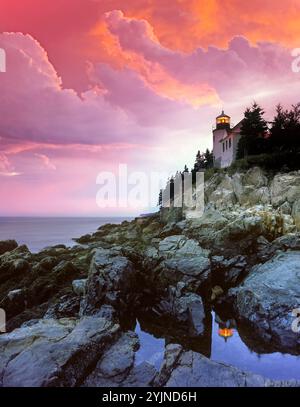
(110, 281)
(54, 352)
(116, 368)
(266, 300)
(189, 369)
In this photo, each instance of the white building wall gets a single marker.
(227, 152)
(218, 135)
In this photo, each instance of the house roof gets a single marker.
(237, 125)
(233, 132)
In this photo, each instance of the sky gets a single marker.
(91, 84)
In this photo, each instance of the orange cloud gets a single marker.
(154, 75)
(187, 24)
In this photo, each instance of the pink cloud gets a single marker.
(47, 163)
(240, 67)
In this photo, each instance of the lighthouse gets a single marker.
(225, 141)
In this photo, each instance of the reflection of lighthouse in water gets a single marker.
(226, 327)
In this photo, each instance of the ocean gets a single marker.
(38, 233)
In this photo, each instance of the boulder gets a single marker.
(184, 260)
(53, 352)
(190, 369)
(7, 246)
(15, 302)
(251, 188)
(116, 362)
(285, 188)
(48, 262)
(290, 241)
(223, 195)
(255, 176)
(84, 239)
(64, 271)
(12, 267)
(186, 309)
(117, 367)
(246, 225)
(110, 281)
(266, 301)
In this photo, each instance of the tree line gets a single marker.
(281, 135)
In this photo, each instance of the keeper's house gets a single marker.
(225, 141)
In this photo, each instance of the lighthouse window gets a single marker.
(226, 144)
(230, 143)
(223, 147)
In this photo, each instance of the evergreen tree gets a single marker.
(160, 198)
(292, 130)
(209, 159)
(285, 130)
(253, 132)
(278, 129)
(200, 162)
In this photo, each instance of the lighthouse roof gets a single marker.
(223, 115)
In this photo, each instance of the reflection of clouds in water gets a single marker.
(236, 353)
(151, 349)
(233, 352)
(156, 358)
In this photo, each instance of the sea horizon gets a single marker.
(38, 232)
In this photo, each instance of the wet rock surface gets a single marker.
(53, 352)
(189, 369)
(266, 301)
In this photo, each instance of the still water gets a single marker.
(230, 350)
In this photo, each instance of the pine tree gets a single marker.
(209, 159)
(292, 130)
(278, 129)
(200, 162)
(253, 132)
(160, 198)
(285, 130)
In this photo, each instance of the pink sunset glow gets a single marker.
(90, 84)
